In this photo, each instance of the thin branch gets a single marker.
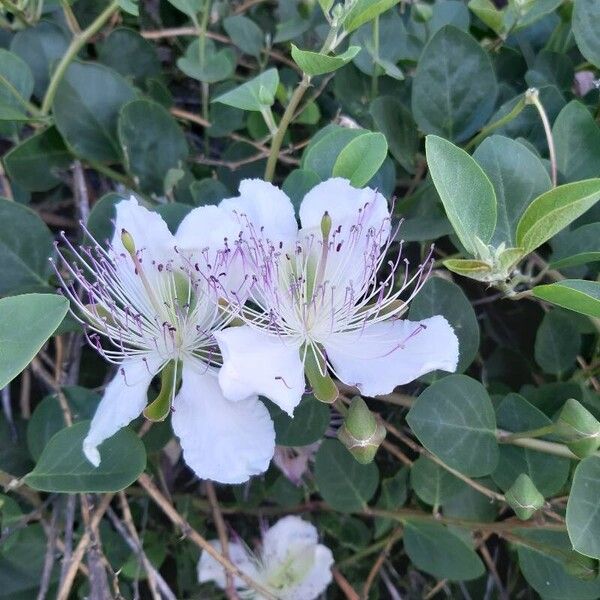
(169, 510)
(396, 535)
(223, 537)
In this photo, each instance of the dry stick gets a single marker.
(223, 537)
(492, 568)
(247, 5)
(49, 558)
(344, 585)
(137, 547)
(146, 483)
(25, 393)
(78, 554)
(379, 562)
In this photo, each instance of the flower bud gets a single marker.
(578, 428)
(361, 433)
(127, 241)
(582, 567)
(523, 497)
(265, 97)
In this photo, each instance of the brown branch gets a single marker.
(223, 537)
(169, 510)
(79, 552)
(379, 562)
(344, 585)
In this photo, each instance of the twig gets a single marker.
(379, 562)
(49, 558)
(245, 6)
(187, 530)
(78, 554)
(68, 543)
(223, 537)
(344, 585)
(492, 568)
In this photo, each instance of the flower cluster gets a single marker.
(241, 302)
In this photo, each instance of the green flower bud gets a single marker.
(523, 497)
(578, 428)
(265, 97)
(361, 433)
(582, 567)
(127, 241)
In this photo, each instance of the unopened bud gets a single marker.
(524, 498)
(265, 97)
(337, 13)
(582, 567)
(361, 433)
(578, 428)
(127, 241)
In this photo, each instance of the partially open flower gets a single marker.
(150, 296)
(323, 298)
(291, 564)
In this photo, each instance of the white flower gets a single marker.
(149, 295)
(317, 300)
(292, 564)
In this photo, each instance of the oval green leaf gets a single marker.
(361, 158)
(63, 468)
(575, 294)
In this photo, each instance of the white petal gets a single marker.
(295, 563)
(204, 235)
(267, 208)
(150, 233)
(381, 356)
(221, 440)
(210, 570)
(317, 579)
(346, 206)
(255, 362)
(124, 399)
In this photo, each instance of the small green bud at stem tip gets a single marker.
(326, 226)
(127, 241)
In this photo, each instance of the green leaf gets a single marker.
(465, 190)
(396, 123)
(393, 495)
(557, 343)
(129, 54)
(475, 269)
(518, 176)
(433, 548)
(575, 294)
(322, 152)
(577, 247)
(129, 6)
(36, 163)
(152, 142)
(40, 47)
(441, 297)
(432, 483)
(363, 11)
(583, 514)
(545, 570)
(86, 108)
(308, 425)
(216, 66)
(454, 419)
(344, 483)
(554, 210)
(577, 140)
(63, 468)
(25, 246)
(586, 24)
(245, 34)
(315, 63)
(208, 191)
(549, 473)
(248, 95)
(16, 85)
(361, 158)
(444, 99)
(47, 418)
(486, 10)
(26, 322)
